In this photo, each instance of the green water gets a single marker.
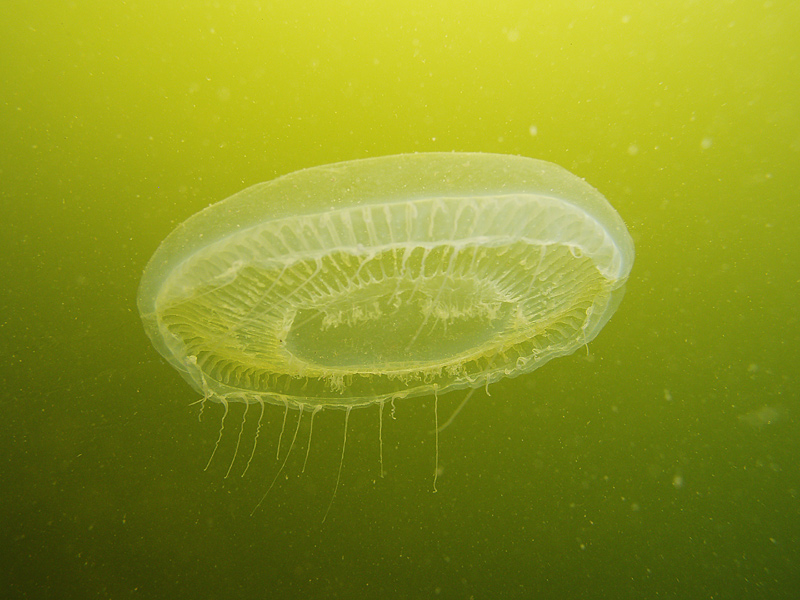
(663, 463)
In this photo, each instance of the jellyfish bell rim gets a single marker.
(382, 181)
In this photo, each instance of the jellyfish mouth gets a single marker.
(401, 325)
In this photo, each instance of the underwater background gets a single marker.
(664, 462)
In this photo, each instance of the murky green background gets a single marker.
(662, 465)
